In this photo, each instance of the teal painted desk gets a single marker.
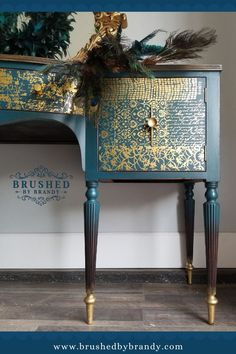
(164, 129)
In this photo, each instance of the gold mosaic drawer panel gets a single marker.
(30, 90)
(152, 125)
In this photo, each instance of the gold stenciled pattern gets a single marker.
(145, 158)
(17, 92)
(167, 89)
(178, 141)
(5, 77)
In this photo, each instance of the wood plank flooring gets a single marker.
(37, 306)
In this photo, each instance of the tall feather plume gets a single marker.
(187, 44)
(114, 54)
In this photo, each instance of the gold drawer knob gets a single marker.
(152, 122)
(151, 125)
(38, 89)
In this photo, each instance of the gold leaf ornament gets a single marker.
(106, 24)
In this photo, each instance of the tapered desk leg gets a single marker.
(91, 217)
(189, 208)
(211, 221)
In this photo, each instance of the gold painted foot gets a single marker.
(189, 269)
(89, 301)
(211, 302)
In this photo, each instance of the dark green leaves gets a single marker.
(42, 34)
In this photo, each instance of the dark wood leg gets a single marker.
(189, 208)
(211, 221)
(91, 217)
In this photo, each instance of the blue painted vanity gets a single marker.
(160, 129)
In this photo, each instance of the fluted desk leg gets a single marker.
(189, 208)
(211, 220)
(91, 217)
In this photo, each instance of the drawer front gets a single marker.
(32, 90)
(152, 124)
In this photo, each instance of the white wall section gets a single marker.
(115, 250)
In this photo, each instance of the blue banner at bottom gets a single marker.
(121, 342)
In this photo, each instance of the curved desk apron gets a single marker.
(161, 129)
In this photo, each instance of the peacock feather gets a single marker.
(113, 53)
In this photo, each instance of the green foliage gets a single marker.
(42, 34)
(8, 28)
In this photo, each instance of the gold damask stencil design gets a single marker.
(179, 107)
(17, 92)
(124, 158)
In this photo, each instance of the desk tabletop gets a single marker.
(158, 67)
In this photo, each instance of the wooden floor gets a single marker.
(119, 307)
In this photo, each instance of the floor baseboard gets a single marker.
(225, 276)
